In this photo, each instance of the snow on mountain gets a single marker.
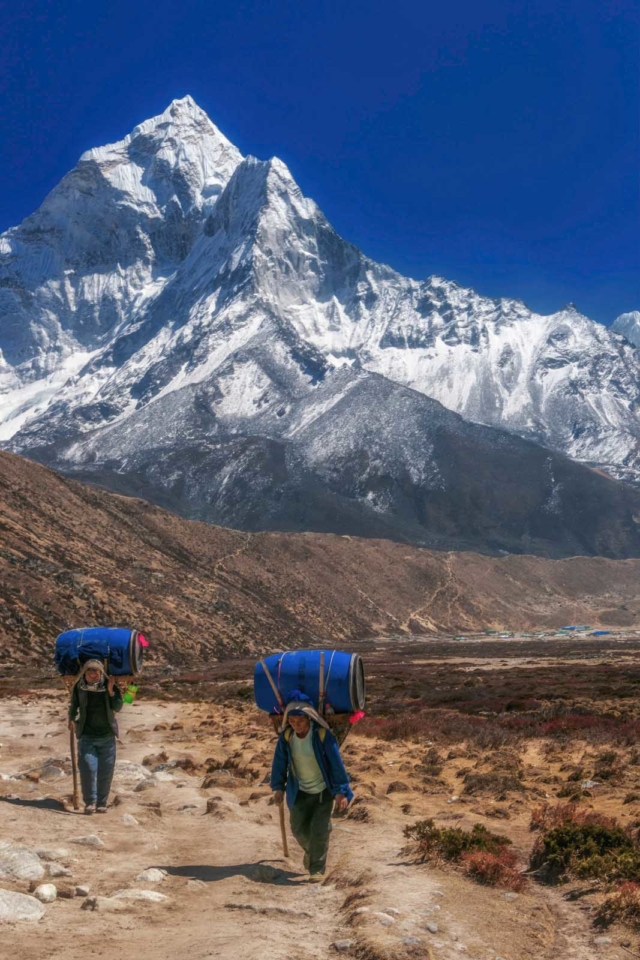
(100, 249)
(170, 295)
(628, 325)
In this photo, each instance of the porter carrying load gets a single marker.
(89, 660)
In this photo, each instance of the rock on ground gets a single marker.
(46, 892)
(19, 906)
(152, 875)
(19, 862)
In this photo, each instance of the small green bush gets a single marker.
(450, 843)
(583, 845)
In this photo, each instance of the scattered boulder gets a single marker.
(151, 875)
(51, 771)
(196, 884)
(91, 840)
(153, 759)
(57, 870)
(66, 891)
(342, 945)
(19, 862)
(127, 770)
(57, 853)
(222, 809)
(104, 904)
(83, 890)
(431, 926)
(150, 896)
(19, 906)
(46, 892)
(383, 918)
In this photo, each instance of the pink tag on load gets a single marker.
(143, 640)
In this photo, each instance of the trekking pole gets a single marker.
(74, 767)
(283, 830)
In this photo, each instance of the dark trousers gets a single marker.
(311, 826)
(96, 762)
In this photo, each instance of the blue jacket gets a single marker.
(329, 760)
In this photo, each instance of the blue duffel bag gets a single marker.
(122, 649)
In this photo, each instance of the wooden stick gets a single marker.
(74, 767)
(283, 831)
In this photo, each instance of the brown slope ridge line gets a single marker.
(72, 555)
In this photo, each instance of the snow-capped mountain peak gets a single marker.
(628, 324)
(179, 155)
(167, 263)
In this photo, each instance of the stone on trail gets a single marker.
(89, 841)
(342, 945)
(129, 820)
(151, 875)
(196, 884)
(19, 862)
(432, 927)
(151, 896)
(127, 770)
(19, 906)
(104, 904)
(269, 908)
(52, 853)
(57, 870)
(83, 890)
(383, 918)
(51, 772)
(46, 892)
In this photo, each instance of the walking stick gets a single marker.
(74, 767)
(283, 831)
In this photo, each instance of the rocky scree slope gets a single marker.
(181, 321)
(72, 555)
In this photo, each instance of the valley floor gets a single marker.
(230, 893)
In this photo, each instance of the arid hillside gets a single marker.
(73, 555)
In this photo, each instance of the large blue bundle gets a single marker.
(301, 670)
(122, 649)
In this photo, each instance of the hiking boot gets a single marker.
(89, 808)
(101, 809)
(316, 878)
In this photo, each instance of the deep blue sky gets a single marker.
(494, 143)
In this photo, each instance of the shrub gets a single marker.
(582, 844)
(623, 904)
(450, 843)
(494, 870)
(494, 782)
(547, 816)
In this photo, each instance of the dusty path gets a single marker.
(230, 893)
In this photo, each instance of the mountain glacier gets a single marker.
(174, 309)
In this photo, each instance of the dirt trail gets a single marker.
(230, 893)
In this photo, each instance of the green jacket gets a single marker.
(78, 708)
